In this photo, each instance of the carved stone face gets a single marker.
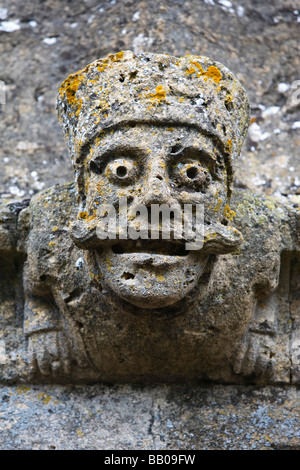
(153, 129)
(147, 165)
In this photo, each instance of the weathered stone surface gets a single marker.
(77, 333)
(76, 322)
(150, 418)
(153, 130)
(52, 348)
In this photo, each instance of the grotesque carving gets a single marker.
(150, 131)
(157, 131)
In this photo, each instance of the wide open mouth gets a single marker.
(153, 247)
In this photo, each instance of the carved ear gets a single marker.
(9, 228)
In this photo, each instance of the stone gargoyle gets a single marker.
(78, 307)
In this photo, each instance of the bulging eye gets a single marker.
(192, 175)
(121, 171)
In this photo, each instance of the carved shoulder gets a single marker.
(48, 241)
(262, 218)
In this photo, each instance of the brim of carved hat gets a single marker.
(125, 88)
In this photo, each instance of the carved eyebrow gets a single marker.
(191, 150)
(84, 149)
(117, 149)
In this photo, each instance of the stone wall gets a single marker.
(41, 43)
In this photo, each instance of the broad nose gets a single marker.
(156, 187)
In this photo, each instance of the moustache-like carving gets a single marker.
(217, 238)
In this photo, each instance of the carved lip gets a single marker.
(152, 247)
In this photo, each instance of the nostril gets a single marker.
(177, 148)
(159, 177)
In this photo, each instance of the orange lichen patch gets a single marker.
(111, 58)
(70, 87)
(191, 70)
(51, 244)
(252, 120)
(116, 57)
(54, 229)
(229, 146)
(101, 67)
(228, 213)
(170, 129)
(159, 95)
(212, 72)
(87, 218)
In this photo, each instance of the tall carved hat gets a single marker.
(153, 88)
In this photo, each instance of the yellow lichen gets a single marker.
(229, 99)
(116, 57)
(111, 58)
(101, 67)
(22, 389)
(44, 398)
(79, 106)
(218, 206)
(209, 236)
(159, 95)
(228, 213)
(229, 146)
(212, 72)
(108, 263)
(70, 88)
